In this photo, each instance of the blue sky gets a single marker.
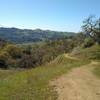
(60, 15)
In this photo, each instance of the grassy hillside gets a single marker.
(33, 84)
(88, 53)
(92, 53)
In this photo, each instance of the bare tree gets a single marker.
(91, 27)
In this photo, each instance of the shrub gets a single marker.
(88, 42)
(4, 56)
(14, 51)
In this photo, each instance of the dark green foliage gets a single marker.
(2, 43)
(27, 50)
(4, 56)
(13, 51)
(88, 42)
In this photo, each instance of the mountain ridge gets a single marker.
(17, 35)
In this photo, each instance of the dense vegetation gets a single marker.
(15, 56)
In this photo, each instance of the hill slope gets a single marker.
(34, 84)
(87, 53)
(25, 35)
(79, 84)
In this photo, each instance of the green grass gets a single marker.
(6, 73)
(33, 84)
(89, 53)
(92, 53)
(96, 70)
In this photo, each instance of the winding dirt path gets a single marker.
(79, 84)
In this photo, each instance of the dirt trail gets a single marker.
(67, 56)
(79, 84)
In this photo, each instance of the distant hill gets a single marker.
(16, 35)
